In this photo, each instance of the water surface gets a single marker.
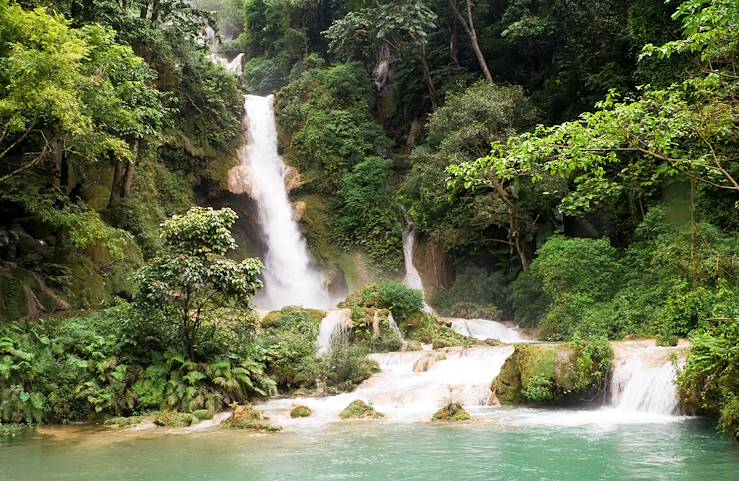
(501, 445)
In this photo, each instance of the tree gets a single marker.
(631, 146)
(192, 280)
(469, 27)
(402, 26)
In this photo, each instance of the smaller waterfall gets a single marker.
(235, 64)
(643, 379)
(412, 278)
(333, 327)
(483, 329)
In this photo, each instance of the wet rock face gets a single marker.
(359, 409)
(452, 412)
(435, 269)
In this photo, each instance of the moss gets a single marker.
(127, 422)
(359, 409)
(301, 412)
(277, 319)
(452, 412)
(13, 300)
(11, 430)
(316, 227)
(173, 419)
(559, 374)
(248, 418)
(203, 414)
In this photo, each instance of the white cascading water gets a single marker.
(483, 329)
(410, 387)
(334, 326)
(412, 278)
(643, 379)
(289, 278)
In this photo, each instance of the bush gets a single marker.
(475, 293)
(401, 300)
(263, 76)
(709, 382)
(346, 367)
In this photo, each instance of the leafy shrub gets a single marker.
(346, 367)
(709, 382)
(401, 300)
(475, 293)
(263, 76)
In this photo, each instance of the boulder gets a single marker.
(452, 412)
(173, 419)
(301, 412)
(428, 360)
(246, 417)
(359, 409)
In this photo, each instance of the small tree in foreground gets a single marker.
(192, 280)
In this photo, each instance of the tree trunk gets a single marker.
(130, 169)
(427, 77)
(155, 8)
(115, 190)
(469, 26)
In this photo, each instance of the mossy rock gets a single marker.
(126, 422)
(203, 414)
(547, 374)
(247, 418)
(275, 319)
(359, 409)
(452, 412)
(301, 412)
(173, 419)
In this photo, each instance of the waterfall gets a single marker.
(405, 392)
(289, 278)
(412, 278)
(483, 329)
(333, 327)
(643, 379)
(235, 64)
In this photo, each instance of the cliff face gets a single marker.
(433, 266)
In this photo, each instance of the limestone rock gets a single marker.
(427, 361)
(301, 412)
(239, 181)
(292, 179)
(359, 409)
(453, 412)
(172, 419)
(298, 210)
(246, 417)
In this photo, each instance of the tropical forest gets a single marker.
(422, 240)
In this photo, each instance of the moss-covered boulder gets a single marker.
(554, 373)
(359, 409)
(301, 412)
(127, 422)
(277, 319)
(452, 412)
(203, 414)
(246, 417)
(173, 419)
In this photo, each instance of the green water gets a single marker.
(485, 450)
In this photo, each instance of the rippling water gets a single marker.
(501, 445)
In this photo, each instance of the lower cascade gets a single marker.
(411, 386)
(643, 379)
(483, 329)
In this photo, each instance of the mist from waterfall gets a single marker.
(289, 278)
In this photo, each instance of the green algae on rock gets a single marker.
(248, 418)
(452, 412)
(359, 409)
(301, 412)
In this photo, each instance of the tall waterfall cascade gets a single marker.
(643, 379)
(289, 277)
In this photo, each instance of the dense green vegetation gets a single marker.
(574, 167)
